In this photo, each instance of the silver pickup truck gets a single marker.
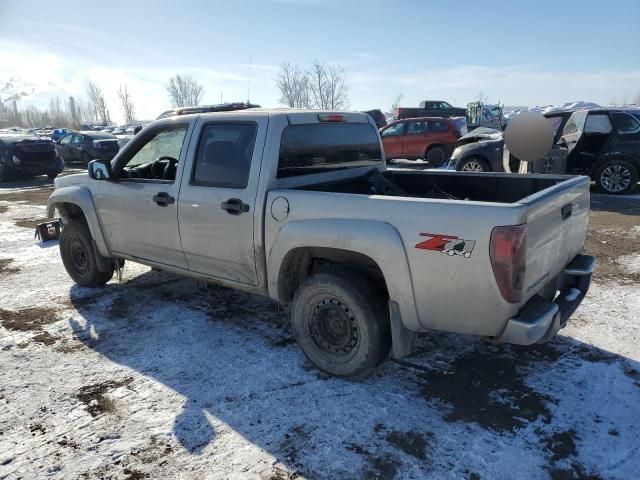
(300, 206)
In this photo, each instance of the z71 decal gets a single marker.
(449, 244)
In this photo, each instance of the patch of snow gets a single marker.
(631, 263)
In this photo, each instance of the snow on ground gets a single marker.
(155, 377)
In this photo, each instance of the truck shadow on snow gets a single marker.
(457, 405)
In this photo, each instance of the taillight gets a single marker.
(331, 117)
(508, 253)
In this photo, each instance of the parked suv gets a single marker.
(28, 155)
(86, 146)
(604, 144)
(427, 138)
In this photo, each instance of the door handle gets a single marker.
(164, 199)
(235, 206)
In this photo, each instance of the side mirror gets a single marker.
(100, 169)
(562, 142)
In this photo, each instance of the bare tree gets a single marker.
(126, 103)
(396, 101)
(184, 91)
(56, 113)
(97, 101)
(636, 99)
(327, 84)
(293, 83)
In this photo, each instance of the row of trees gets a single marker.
(74, 112)
(322, 86)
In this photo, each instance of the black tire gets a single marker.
(473, 164)
(341, 322)
(436, 156)
(616, 177)
(76, 250)
(85, 159)
(52, 175)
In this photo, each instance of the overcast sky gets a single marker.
(518, 53)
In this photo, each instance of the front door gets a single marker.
(392, 140)
(217, 199)
(415, 139)
(139, 208)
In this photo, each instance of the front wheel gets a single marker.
(473, 164)
(85, 159)
(436, 156)
(616, 177)
(340, 320)
(76, 250)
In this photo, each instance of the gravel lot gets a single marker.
(156, 377)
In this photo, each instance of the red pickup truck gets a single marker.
(428, 138)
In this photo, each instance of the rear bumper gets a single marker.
(540, 319)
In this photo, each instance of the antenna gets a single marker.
(249, 81)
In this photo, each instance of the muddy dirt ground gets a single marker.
(156, 377)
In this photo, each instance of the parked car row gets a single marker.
(602, 143)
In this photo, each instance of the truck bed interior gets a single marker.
(441, 185)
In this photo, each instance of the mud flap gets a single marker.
(402, 339)
(104, 263)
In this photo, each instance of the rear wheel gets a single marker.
(340, 320)
(473, 164)
(436, 156)
(76, 250)
(616, 177)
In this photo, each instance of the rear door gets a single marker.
(218, 196)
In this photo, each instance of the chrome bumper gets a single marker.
(540, 320)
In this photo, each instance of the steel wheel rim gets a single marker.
(79, 256)
(472, 166)
(333, 327)
(615, 178)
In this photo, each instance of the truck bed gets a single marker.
(498, 188)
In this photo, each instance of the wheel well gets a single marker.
(300, 263)
(71, 211)
(599, 162)
(435, 145)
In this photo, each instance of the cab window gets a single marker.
(414, 128)
(625, 123)
(393, 130)
(224, 155)
(156, 158)
(66, 139)
(598, 123)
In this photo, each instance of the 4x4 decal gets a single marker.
(449, 244)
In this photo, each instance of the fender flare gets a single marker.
(377, 240)
(82, 198)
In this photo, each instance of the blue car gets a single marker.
(58, 133)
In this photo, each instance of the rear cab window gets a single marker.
(324, 147)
